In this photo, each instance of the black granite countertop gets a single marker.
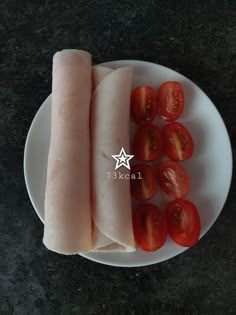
(196, 38)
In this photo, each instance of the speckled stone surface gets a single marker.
(196, 38)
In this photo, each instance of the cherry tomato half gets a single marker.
(170, 100)
(144, 185)
(147, 144)
(150, 227)
(143, 104)
(177, 142)
(173, 179)
(183, 222)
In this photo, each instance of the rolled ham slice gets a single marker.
(111, 200)
(67, 226)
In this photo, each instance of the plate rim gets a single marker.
(86, 255)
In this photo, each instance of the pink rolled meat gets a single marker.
(111, 200)
(67, 227)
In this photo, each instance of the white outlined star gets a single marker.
(122, 159)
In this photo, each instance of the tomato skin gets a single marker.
(183, 221)
(145, 188)
(177, 141)
(150, 227)
(143, 104)
(170, 100)
(173, 179)
(147, 143)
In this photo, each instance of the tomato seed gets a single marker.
(153, 141)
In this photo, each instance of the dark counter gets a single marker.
(198, 40)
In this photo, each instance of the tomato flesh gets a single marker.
(150, 227)
(143, 104)
(183, 222)
(173, 179)
(177, 141)
(170, 100)
(145, 187)
(147, 144)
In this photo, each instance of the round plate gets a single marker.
(210, 168)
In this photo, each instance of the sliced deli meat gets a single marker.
(111, 199)
(67, 226)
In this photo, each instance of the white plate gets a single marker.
(210, 168)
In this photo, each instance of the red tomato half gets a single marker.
(183, 222)
(147, 145)
(144, 188)
(143, 104)
(170, 100)
(173, 179)
(150, 227)
(177, 141)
